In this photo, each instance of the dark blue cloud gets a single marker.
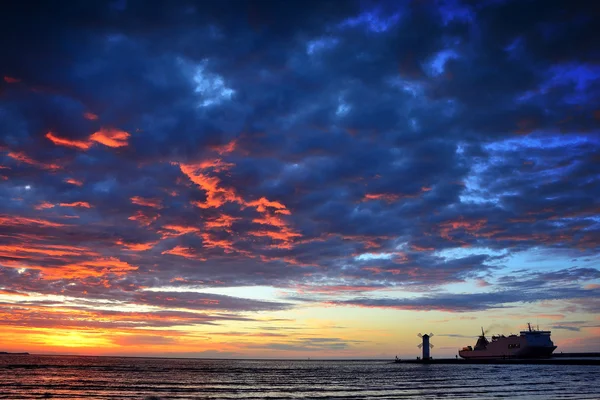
(272, 144)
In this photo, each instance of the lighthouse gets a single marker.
(425, 345)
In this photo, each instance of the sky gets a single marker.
(323, 179)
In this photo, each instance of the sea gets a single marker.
(78, 377)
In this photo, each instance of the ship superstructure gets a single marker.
(531, 343)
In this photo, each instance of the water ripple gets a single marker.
(103, 378)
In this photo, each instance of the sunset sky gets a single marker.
(278, 179)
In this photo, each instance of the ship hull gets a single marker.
(536, 352)
(527, 352)
(528, 344)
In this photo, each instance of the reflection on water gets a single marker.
(70, 377)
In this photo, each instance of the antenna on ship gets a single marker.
(425, 345)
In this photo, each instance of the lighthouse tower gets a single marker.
(425, 345)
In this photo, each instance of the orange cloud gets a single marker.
(469, 226)
(22, 157)
(9, 79)
(215, 165)
(106, 136)
(44, 205)
(262, 204)
(550, 316)
(78, 144)
(216, 195)
(111, 137)
(210, 242)
(272, 220)
(289, 260)
(86, 269)
(285, 235)
(90, 116)
(185, 252)
(137, 246)
(225, 148)
(13, 293)
(14, 220)
(222, 221)
(14, 251)
(592, 286)
(147, 202)
(89, 320)
(387, 197)
(83, 204)
(144, 218)
(74, 181)
(392, 197)
(416, 247)
(177, 230)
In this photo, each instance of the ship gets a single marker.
(531, 343)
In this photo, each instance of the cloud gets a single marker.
(19, 221)
(141, 340)
(153, 203)
(83, 204)
(90, 116)
(312, 344)
(568, 328)
(343, 152)
(110, 137)
(466, 302)
(44, 205)
(35, 315)
(73, 181)
(209, 301)
(24, 158)
(137, 246)
(184, 252)
(68, 143)
(102, 267)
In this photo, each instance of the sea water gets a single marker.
(74, 377)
